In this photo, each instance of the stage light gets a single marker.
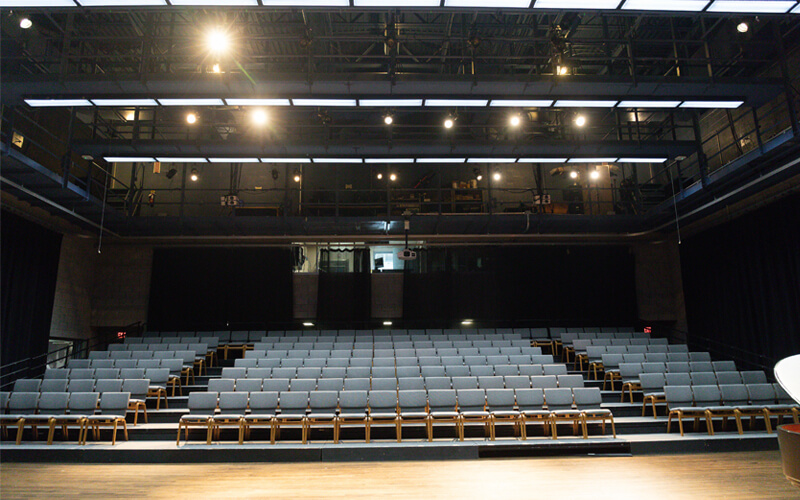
(260, 117)
(496, 176)
(379, 176)
(448, 123)
(573, 175)
(25, 23)
(594, 175)
(387, 323)
(580, 120)
(195, 175)
(515, 121)
(308, 323)
(217, 41)
(191, 118)
(216, 68)
(388, 119)
(478, 174)
(467, 322)
(392, 177)
(562, 70)
(742, 27)
(297, 177)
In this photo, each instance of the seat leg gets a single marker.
(20, 426)
(367, 429)
(429, 428)
(398, 429)
(553, 429)
(51, 430)
(522, 428)
(768, 421)
(738, 416)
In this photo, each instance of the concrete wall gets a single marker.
(121, 285)
(659, 287)
(305, 288)
(387, 295)
(72, 308)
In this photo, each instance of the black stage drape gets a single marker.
(345, 297)
(29, 257)
(576, 285)
(211, 288)
(742, 284)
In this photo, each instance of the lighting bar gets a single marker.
(666, 5)
(491, 160)
(225, 3)
(576, 4)
(56, 103)
(390, 103)
(502, 4)
(712, 104)
(455, 103)
(181, 160)
(520, 103)
(542, 160)
(257, 102)
(337, 160)
(305, 3)
(562, 103)
(191, 102)
(285, 160)
(36, 3)
(441, 160)
(648, 104)
(388, 160)
(124, 102)
(396, 3)
(641, 160)
(324, 102)
(591, 160)
(129, 159)
(752, 6)
(121, 3)
(233, 160)
(796, 10)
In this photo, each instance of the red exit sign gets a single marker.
(120, 335)
(648, 329)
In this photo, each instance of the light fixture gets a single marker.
(285, 160)
(712, 104)
(124, 102)
(742, 27)
(752, 6)
(129, 116)
(257, 102)
(215, 3)
(448, 123)
(467, 322)
(121, 3)
(180, 160)
(194, 175)
(308, 323)
(297, 177)
(305, 3)
(562, 70)
(218, 41)
(441, 160)
(259, 117)
(389, 323)
(478, 174)
(648, 104)
(191, 102)
(392, 177)
(501, 4)
(515, 120)
(573, 174)
(171, 173)
(641, 160)
(576, 4)
(455, 103)
(191, 118)
(394, 103)
(216, 68)
(338, 160)
(36, 3)
(542, 160)
(580, 120)
(388, 119)
(56, 103)
(496, 176)
(594, 175)
(324, 102)
(129, 159)
(520, 103)
(566, 103)
(379, 176)
(666, 5)
(25, 23)
(491, 160)
(233, 160)
(388, 160)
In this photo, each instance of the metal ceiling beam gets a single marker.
(755, 92)
(305, 149)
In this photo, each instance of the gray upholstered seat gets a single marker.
(437, 383)
(500, 404)
(246, 385)
(27, 385)
(138, 388)
(544, 382)
(50, 404)
(85, 385)
(221, 385)
(113, 408)
(357, 384)
(680, 404)
(353, 410)
(322, 410)
(465, 382)
(443, 408)
(293, 406)
(652, 385)
(275, 384)
(330, 384)
(570, 381)
(81, 406)
(303, 384)
(472, 409)
(588, 401)
(202, 406)
(560, 404)
(263, 408)
(232, 408)
(108, 385)
(413, 404)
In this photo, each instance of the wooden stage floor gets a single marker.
(740, 475)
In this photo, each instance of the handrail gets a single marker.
(719, 349)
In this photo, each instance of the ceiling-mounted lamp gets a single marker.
(392, 177)
(297, 176)
(25, 23)
(191, 118)
(580, 120)
(450, 121)
(497, 176)
(515, 120)
(478, 174)
(195, 175)
(388, 119)
(742, 27)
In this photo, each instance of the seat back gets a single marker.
(27, 385)
(382, 401)
(108, 385)
(114, 403)
(356, 384)
(442, 400)
(754, 377)
(275, 384)
(471, 399)
(761, 394)
(544, 382)
(558, 399)
(263, 402)
(330, 384)
(126, 373)
(323, 401)
(465, 382)
(570, 380)
(499, 399)
(352, 400)
(247, 385)
(157, 376)
(233, 402)
(413, 400)
(530, 399)
(83, 403)
(531, 370)
(202, 403)
(493, 382)
(86, 385)
(137, 387)
(53, 402)
(677, 379)
(587, 397)
(651, 382)
(734, 394)
(706, 395)
(221, 385)
(678, 395)
(293, 402)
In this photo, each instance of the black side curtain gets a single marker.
(742, 285)
(345, 297)
(221, 287)
(29, 257)
(522, 284)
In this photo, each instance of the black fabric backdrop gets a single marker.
(209, 288)
(29, 257)
(742, 285)
(345, 298)
(576, 285)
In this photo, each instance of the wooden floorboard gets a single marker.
(742, 475)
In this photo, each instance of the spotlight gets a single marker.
(296, 177)
(448, 123)
(467, 322)
(388, 119)
(742, 27)
(380, 176)
(515, 121)
(216, 68)
(191, 118)
(25, 23)
(195, 176)
(496, 176)
(594, 175)
(129, 116)
(580, 120)
(562, 70)
(387, 323)
(392, 177)
(171, 173)
(477, 173)
(217, 41)
(573, 175)
(308, 323)
(259, 117)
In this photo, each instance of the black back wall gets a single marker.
(215, 288)
(548, 285)
(29, 257)
(742, 285)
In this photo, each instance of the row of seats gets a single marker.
(254, 335)
(400, 371)
(64, 409)
(594, 355)
(633, 381)
(387, 346)
(251, 384)
(478, 359)
(377, 407)
(159, 376)
(630, 370)
(609, 363)
(122, 364)
(393, 353)
(733, 400)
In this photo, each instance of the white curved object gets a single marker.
(787, 373)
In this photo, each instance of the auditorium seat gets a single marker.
(27, 385)
(113, 408)
(560, 405)
(680, 404)
(81, 385)
(221, 385)
(293, 406)
(263, 408)
(531, 407)
(588, 401)
(49, 405)
(412, 408)
(232, 406)
(443, 409)
(137, 388)
(108, 385)
(202, 406)
(323, 406)
(353, 410)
